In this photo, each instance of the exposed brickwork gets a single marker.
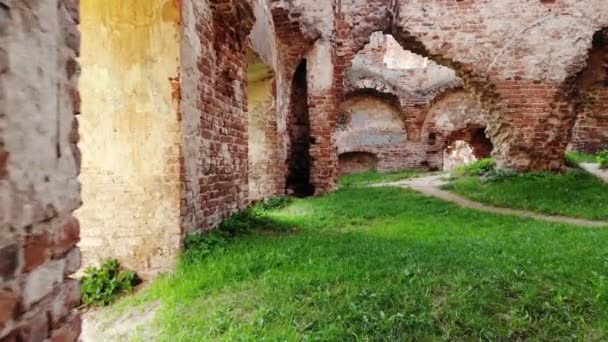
(591, 129)
(214, 109)
(537, 48)
(38, 185)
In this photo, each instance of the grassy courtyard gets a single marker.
(385, 264)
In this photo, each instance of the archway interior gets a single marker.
(299, 160)
(466, 146)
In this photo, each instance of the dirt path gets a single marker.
(594, 169)
(430, 185)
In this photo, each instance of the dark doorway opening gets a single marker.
(299, 160)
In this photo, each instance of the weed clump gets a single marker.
(101, 286)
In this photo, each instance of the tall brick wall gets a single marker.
(214, 110)
(39, 165)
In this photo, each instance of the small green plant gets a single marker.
(602, 158)
(102, 286)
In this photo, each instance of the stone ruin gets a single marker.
(125, 126)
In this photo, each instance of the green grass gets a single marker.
(387, 264)
(373, 177)
(574, 193)
(574, 158)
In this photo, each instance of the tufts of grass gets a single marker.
(374, 177)
(574, 193)
(388, 264)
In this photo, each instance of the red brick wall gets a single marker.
(536, 49)
(591, 130)
(214, 111)
(38, 175)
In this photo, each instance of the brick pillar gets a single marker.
(531, 125)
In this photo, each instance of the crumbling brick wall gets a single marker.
(591, 130)
(419, 89)
(214, 110)
(517, 56)
(39, 164)
(455, 115)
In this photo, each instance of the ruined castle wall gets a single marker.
(517, 54)
(39, 164)
(214, 110)
(131, 133)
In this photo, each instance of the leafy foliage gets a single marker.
(602, 158)
(102, 286)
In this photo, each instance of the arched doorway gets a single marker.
(299, 160)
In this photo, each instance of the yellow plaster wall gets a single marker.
(130, 132)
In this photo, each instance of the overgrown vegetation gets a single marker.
(373, 177)
(602, 158)
(574, 193)
(103, 285)
(387, 264)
